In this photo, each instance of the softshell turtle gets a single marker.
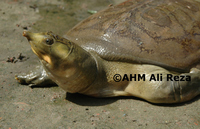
(144, 48)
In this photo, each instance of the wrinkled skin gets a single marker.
(131, 42)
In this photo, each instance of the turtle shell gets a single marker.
(160, 32)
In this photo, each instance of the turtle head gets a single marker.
(66, 63)
(48, 46)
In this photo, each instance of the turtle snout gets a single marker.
(26, 34)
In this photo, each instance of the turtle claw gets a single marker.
(37, 77)
(21, 79)
(25, 79)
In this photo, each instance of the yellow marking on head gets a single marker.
(44, 57)
(47, 59)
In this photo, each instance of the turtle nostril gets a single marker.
(25, 33)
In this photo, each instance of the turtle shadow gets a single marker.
(33, 86)
(85, 100)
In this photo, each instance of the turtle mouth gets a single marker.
(43, 57)
(34, 51)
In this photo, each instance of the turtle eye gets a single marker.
(49, 41)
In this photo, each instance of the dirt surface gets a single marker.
(50, 107)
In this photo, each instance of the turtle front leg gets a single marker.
(36, 77)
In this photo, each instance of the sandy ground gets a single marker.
(50, 107)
